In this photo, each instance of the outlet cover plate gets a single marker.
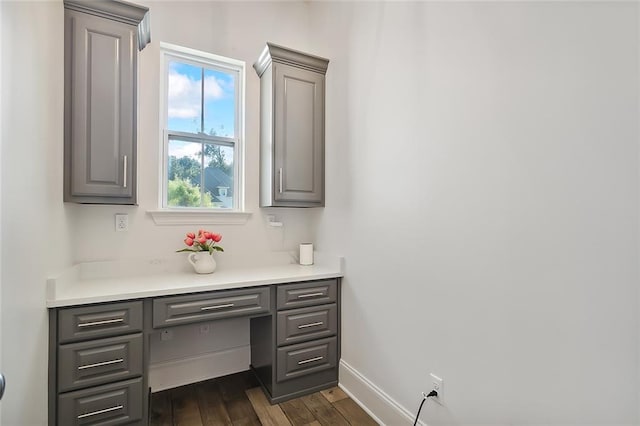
(166, 335)
(437, 384)
(122, 222)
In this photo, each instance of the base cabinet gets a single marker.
(98, 365)
(296, 351)
(99, 353)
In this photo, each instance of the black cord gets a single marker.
(432, 393)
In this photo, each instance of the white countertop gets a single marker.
(96, 282)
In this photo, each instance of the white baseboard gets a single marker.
(171, 374)
(380, 406)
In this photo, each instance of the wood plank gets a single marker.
(212, 409)
(224, 401)
(241, 412)
(334, 394)
(353, 413)
(298, 413)
(160, 413)
(269, 415)
(185, 407)
(322, 410)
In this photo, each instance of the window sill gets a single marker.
(198, 217)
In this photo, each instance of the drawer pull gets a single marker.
(94, 323)
(100, 364)
(306, 361)
(95, 413)
(313, 324)
(209, 308)
(124, 172)
(302, 296)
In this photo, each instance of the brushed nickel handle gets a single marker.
(100, 364)
(209, 308)
(280, 177)
(124, 174)
(313, 324)
(94, 323)
(306, 361)
(95, 413)
(3, 384)
(302, 296)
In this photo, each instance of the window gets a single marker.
(202, 130)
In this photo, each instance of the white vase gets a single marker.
(202, 262)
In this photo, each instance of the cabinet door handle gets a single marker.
(95, 413)
(124, 173)
(95, 323)
(3, 384)
(306, 361)
(100, 364)
(209, 308)
(313, 324)
(302, 296)
(280, 179)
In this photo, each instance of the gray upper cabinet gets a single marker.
(101, 47)
(291, 127)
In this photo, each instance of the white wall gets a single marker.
(35, 231)
(482, 183)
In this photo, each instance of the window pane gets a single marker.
(184, 101)
(184, 173)
(218, 175)
(219, 103)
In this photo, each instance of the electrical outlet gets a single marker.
(437, 384)
(166, 335)
(122, 222)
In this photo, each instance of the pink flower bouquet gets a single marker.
(204, 241)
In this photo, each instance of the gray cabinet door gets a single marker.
(100, 109)
(95, 362)
(298, 135)
(174, 310)
(300, 325)
(307, 293)
(113, 404)
(306, 358)
(96, 321)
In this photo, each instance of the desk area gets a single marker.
(100, 330)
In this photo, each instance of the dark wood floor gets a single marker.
(238, 400)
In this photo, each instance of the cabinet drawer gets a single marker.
(99, 361)
(307, 294)
(207, 306)
(306, 358)
(300, 325)
(95, 321)
(113, 404)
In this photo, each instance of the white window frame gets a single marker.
(170, 215)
